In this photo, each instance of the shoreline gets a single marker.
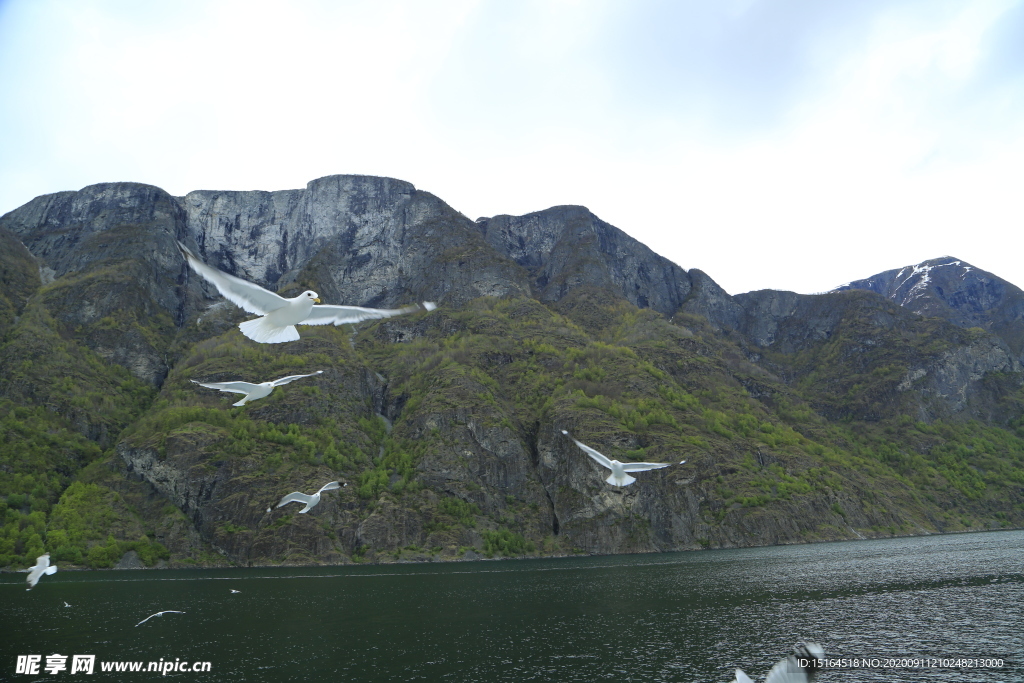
(482, 558)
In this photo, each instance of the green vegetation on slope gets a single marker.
(448, 439)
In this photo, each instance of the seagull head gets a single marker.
(310, 294)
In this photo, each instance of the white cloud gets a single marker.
(786, 144)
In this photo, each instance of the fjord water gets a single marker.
(691, 616)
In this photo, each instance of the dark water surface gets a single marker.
(669, 617)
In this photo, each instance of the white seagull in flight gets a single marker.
(158, 614)
(310, 501)
(790, 669)
(618, 477)
(36, 572)
(253, 391)
(279, 315)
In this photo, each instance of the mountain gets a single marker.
(956, 291)
(801, 417)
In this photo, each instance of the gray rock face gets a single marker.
(953, 382)
(58, 228)
(364, 240)
(357, 240)
(710, 301)
(566, 247)
(790, 322)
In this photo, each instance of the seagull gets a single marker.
(253, 391)
(66, 604)
(158, 614)
(279, 315)
(790, 669)
(234, 591)
(36, 572)
(618, 477)
(310, 501)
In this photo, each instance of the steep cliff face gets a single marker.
(106, 258)
(61, 230)
(566, 247)
(800, 417)
(118, 284)
(358, 240)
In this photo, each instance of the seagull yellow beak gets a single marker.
(317, 299)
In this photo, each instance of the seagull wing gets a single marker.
(644, 466)
(329, 487)
(246, 295)
(296, 497)
(159, 614)
(339, 315)
(236, 387)
(292, 378)
(34, 574)
(742, 677)
(42, 566)
(601, 460)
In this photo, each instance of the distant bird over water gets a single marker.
(158, 614)
(310, 501)
(618, 477)
(792, 669)
(42, 566)
(253, 391)
(279, 315)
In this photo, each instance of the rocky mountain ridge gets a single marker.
(956, 291)
(802, 417)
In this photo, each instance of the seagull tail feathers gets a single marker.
(624, 480)
(50, 571)
(263, 331)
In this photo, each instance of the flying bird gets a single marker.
(618, 477)
(799, 667)
(42, 566)
(66, 604)
(234, 591)
(310, 501)
(159, 614)
(278, 315)
(253, 391)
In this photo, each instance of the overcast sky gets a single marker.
(785, 144)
